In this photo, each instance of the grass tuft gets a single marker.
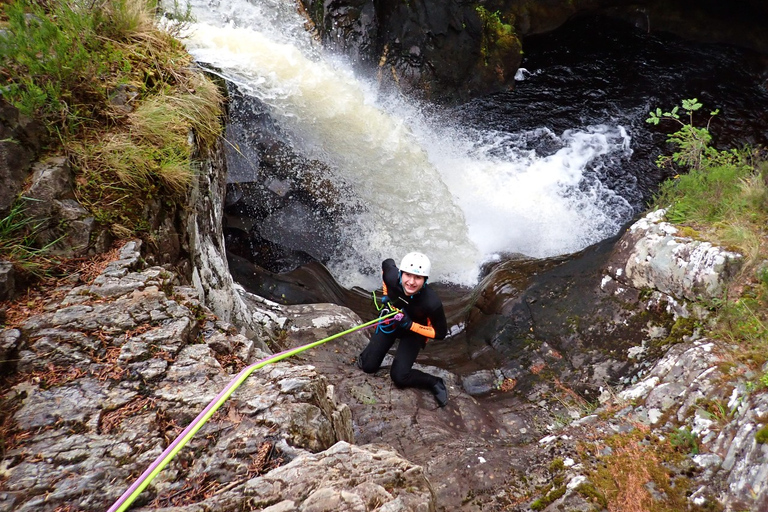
(67, 62)
(17, 242)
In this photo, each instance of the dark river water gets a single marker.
(595, 70)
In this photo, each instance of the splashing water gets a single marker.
(461, 196)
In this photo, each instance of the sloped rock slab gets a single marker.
(106, 378)
(467, 449)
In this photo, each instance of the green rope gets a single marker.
(144, 480)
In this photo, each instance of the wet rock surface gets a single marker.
(452, 51)
(549, 363)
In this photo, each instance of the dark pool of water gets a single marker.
(596, 70)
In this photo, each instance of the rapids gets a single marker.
(558, 164)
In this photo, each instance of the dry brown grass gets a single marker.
(18, 310)
(51, 290)
(230, 362)
(10, 436)
(150, 153)
(67, 508)
(91, 268)
(54, 375)
(110, 370)
(132, 17)
(631, 476)
(266, 458)
(625, 467)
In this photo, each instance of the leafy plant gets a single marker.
(718, 185)
(684, 440)
(179, 17)
(723, 193)
(692, 143)
(57, 59)
(498, 38)
(66, 63)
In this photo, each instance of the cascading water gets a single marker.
(464, 195)
(331, 116)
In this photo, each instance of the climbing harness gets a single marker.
(169, 453)
(386, 326)
(386, 310)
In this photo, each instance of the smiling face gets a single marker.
(412, 283)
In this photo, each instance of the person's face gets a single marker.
(412, 283)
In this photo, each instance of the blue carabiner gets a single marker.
(383, 327)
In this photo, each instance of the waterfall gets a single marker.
(461, 196)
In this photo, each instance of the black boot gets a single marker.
(441, 394)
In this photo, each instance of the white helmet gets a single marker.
(416, 263)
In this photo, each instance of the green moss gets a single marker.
(591, 494)
(499, 38)
(556, 465)
(761, 436)
(682, 328)
(545, 501)
(688, 232)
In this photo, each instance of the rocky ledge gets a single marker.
(106, 374)
(110, 372)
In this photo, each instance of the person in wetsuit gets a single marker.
(423, 319)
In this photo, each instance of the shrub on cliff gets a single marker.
(725, 195)
(119, 96)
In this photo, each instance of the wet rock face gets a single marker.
(106, 377)
(553, 319)
(585, 320)
(436, 50)
(20, 140)
(282, 210)
(112, 372)
(467, 449)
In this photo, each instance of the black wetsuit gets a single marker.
(426, 311)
